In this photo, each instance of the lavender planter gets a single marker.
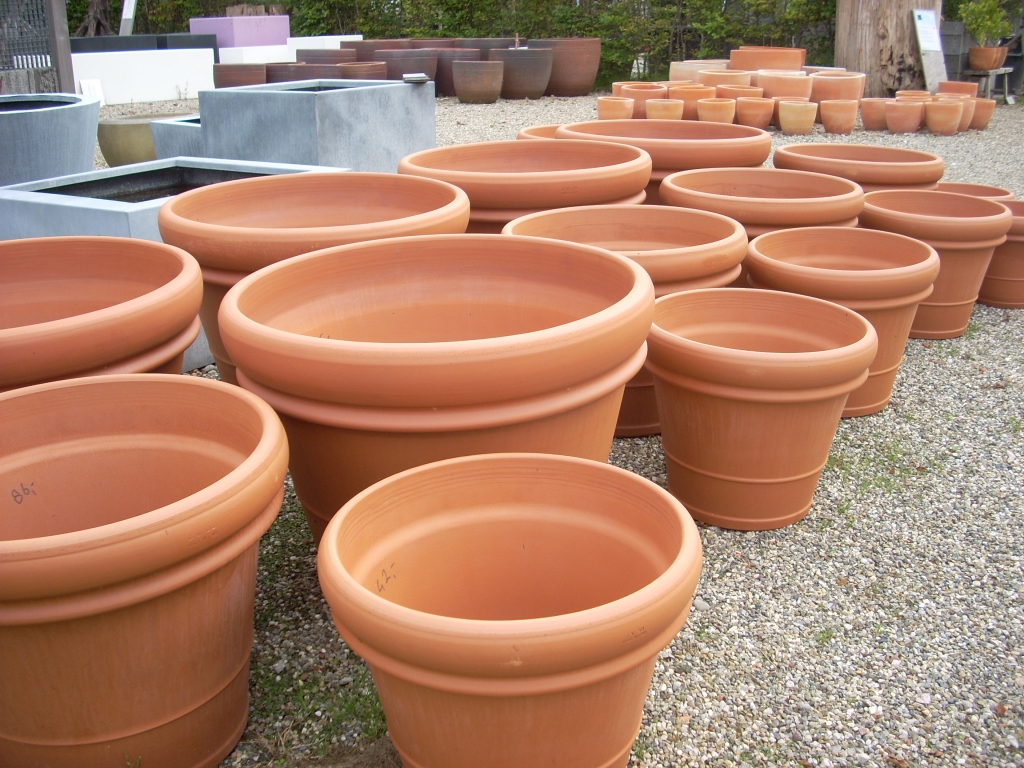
(239, 31)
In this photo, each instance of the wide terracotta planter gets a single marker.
(544, 656)
(477, 82)
(322, 56)
(871, 166)
(838, 116)
(233, 75)
(754, 112)
(444, 78)
(796, 118)
(963, 229)
(365, 49)
(84, 306)
(574, 64)
(385, 355)
(690, 94)
(785, 84)
(904, 116)
(753, 58)
(614, 108)
(976, 190)
(432, 42)
(968, 88)
(881, 276)
(751, 386)
(664, 109)
(942, 116)
(716, 110)
(984, 109)
(1004, 280)
(872, 114)
(527, 71)
(238, 227)
(738, 91)
(718, 77)
(538, 132)
(133, 509)
(640, 93)
(983, 58)
(484, 44)
(364, 70)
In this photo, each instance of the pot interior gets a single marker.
(842, 248)
(688, 130)
(523, 157)
(763, 184)
(977, 190)
(861, 153)
(936, 204)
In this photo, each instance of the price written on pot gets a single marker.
(385, 577)
(21, 492)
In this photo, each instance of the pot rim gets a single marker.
(987, 191)
(938, 227)
(927, 168)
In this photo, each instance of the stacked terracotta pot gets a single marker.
(871, 166)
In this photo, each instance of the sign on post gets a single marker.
(930, 44)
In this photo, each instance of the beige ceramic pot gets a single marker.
(614, 108)
(716, 110)
(125, 140)
(796, 118)
(590, 572)
(133, 509)
(690, 95)
(872, 114)
(904, 115)
(386, 355)
(754, 112)
(942, 117)
(238, 227)
(838, 116)
(740, 374)
(984, 109)
(738, 91)
(871, 166)
(963, 229)
(680, 249)
(718, 77)
(976, 190)
(640, 93)
(881, 276)
(665, 109)
(538, 132)
(958, 86)
(83, 306)
(1004, 280)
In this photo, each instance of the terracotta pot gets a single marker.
(787, 84)
(321, 56)
(738, 91)
(366, 48)
(967, 108)
(982, 58)
(716, 110)
(614, 108)
(718, 77)
(690, 95)
(837, 86)
(602, 582)
(477, 82)
(574, 64)
(485, 44)
(680, 249)
(83, 306)
(879, 275)
(687, 70)
(640, 93)
(796, 118)
(138, 614)
(444, 79)
(754, 112)
(406, 62)
(904, 116)
(364, 70)
(664, 109)
(282, 73)
(914, 94)
(872, 113)
(1004, 281)
(450, 345)
(871, 166)
(838, 116)
(778, 100)
(957, 86)
(983, 111)
(538, 132)
(527, 71)
(976, 190)
(737, 375)
(815, 69)
(318, 71)
(942, 116)
(963, 229)
(753, 58)
(234, 75)
(617, 86)
(432, 42)
(238, 227)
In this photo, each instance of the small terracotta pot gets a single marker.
(716, 110)
(838, 116)
(871, 166)
(527, 71)
(477, 82)
(755, 57)
(879, 275)
(364, 70)
(967, 108)
(942, 116)
(234, 75)
(785, 84)
(690, 95)
(976, 190)
(984, 109)
(904, 115)
(614, 108)
(574, 64)
(320, 56)
(718, 77)
(754, 112)
(914, 94)
(640, 93)
(136, 611)
(963, 229)
(738, 374)
(591, 573)
(872, 113)
(617, 86)
(959, 86)
(1004, 281)
(538, 132)
(796, 118)
(386, 355)
(738, 91)
(444, 80)
(778, 100)
(986, 58)
(664, 109)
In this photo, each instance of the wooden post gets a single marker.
(60, 45)
(877, 37)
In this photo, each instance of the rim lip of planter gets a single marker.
(610, 175)
(976, 190)
(444, 374)
(853, 162)
(477, 651)
(841, 366)
(1016, 208)
(662, 264)
(74, 562)
(247, 248)
(696, 145)
(538, 131)
(916, 264)
(845, 202)
(957, 218)
(68, 346)
(67, 99)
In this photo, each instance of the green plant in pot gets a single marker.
(986, 21)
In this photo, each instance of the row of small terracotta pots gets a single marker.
(944, 114)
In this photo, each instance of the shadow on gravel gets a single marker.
(377, 754)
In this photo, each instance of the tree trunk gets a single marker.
(877, 37)
(96, 21)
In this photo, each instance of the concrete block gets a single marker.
(236, 31)
(46, 134)
(156, 75)
(177, 137)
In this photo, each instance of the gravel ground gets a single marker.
(883, 630)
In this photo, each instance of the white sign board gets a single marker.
(930, 43)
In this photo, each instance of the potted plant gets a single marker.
(986, 21)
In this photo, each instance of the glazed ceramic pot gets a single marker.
(753, 58)
(1004, 281)
(238, 227)
(591, 572)
(366, 48)
(477, 82)
(126, 140)
(738, 91)
(832, 86)
(959, 86)
(320, 56)
(84, 306)
(718, 77)
(750, 388)
(133, 508)
(967, 108)
(364, 70)
(796, 118)
(904, 115)
(984, 109)
(785, 84)
(838, 116)
(871, 166)
(614, 108)
(538, 132)
(444, 79)
(754, 112)
(527, 71)
(232, 75)
(664, 109)
(640, 93)
(942, 116)
(680, 249)
(976, 190)
(406, 62)
(716, 110)
(983, 58)
(687, 70)
(385, 355)
(881, 276)
(872, 114)
(690, 95)
(963, 229)
(574, 64)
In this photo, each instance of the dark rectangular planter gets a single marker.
(108, 43)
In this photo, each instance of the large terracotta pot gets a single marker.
(785, 84)
(444, 79)
(640, 93)
(133, 508)
(738, 91)
(406, 62)
(477, 82)
(538, 132)
(976, 190)
(754, 112)
(282, 72)
(484, 44)
(963, 229)
(968, 88)
(238, 227)
(838, 116)
(984, 109)
(542, 657)
(233, 75)
(687, 70)
(386, 355)
(845, 86)
(942, 116)
(574, 64)
(680, 249)
(879, 275)
(983, 58)
(366, 48)
(527, 71)
(904, 115)
(323, 56)
(755, 57)
(432, 42)
(364, 70)
(508, 179)
(83, 306)
(872, 114)
(690, 95)
(614, 108)
(718, 77)
(871, 166)
(664, 109)
(1004, 280)
(750, 387)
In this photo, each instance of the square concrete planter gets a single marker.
(236, 31)
(177, 137)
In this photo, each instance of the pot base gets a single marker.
(942, 321)
(1002, 292)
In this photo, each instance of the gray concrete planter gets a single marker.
(43, 135)
(177, 137)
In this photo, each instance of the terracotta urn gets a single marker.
(444, 80)
(982, 58)
(751, 386)
(680, 249)
(904, 115)
(755, 57)
(84, 306)
(984, 109)
(838, 116)
(614, 108)
(871, 166)
(1004, 281)
(976, 190)
(754, 112)
(785, 84)
(738, 91)
(538, 132)
(664, 109)
(968, 88)
(385, 355)
(718, 77)
(574, 64)
(796, 118)
(477, 82)
(872, 114)
(881, 276)
(942, 116)
(238, 227)
(967, 108)
(366, 48)
(364, 70)
(690, 95)
(233, 75)
(318, 56)
(640, 93)
(133, 509)
(716, 110)
(527, 71)
(963, 229)
(590, 573)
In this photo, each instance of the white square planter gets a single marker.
(160, 75)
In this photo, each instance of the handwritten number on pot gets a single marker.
(382, 585)
(24, 491)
